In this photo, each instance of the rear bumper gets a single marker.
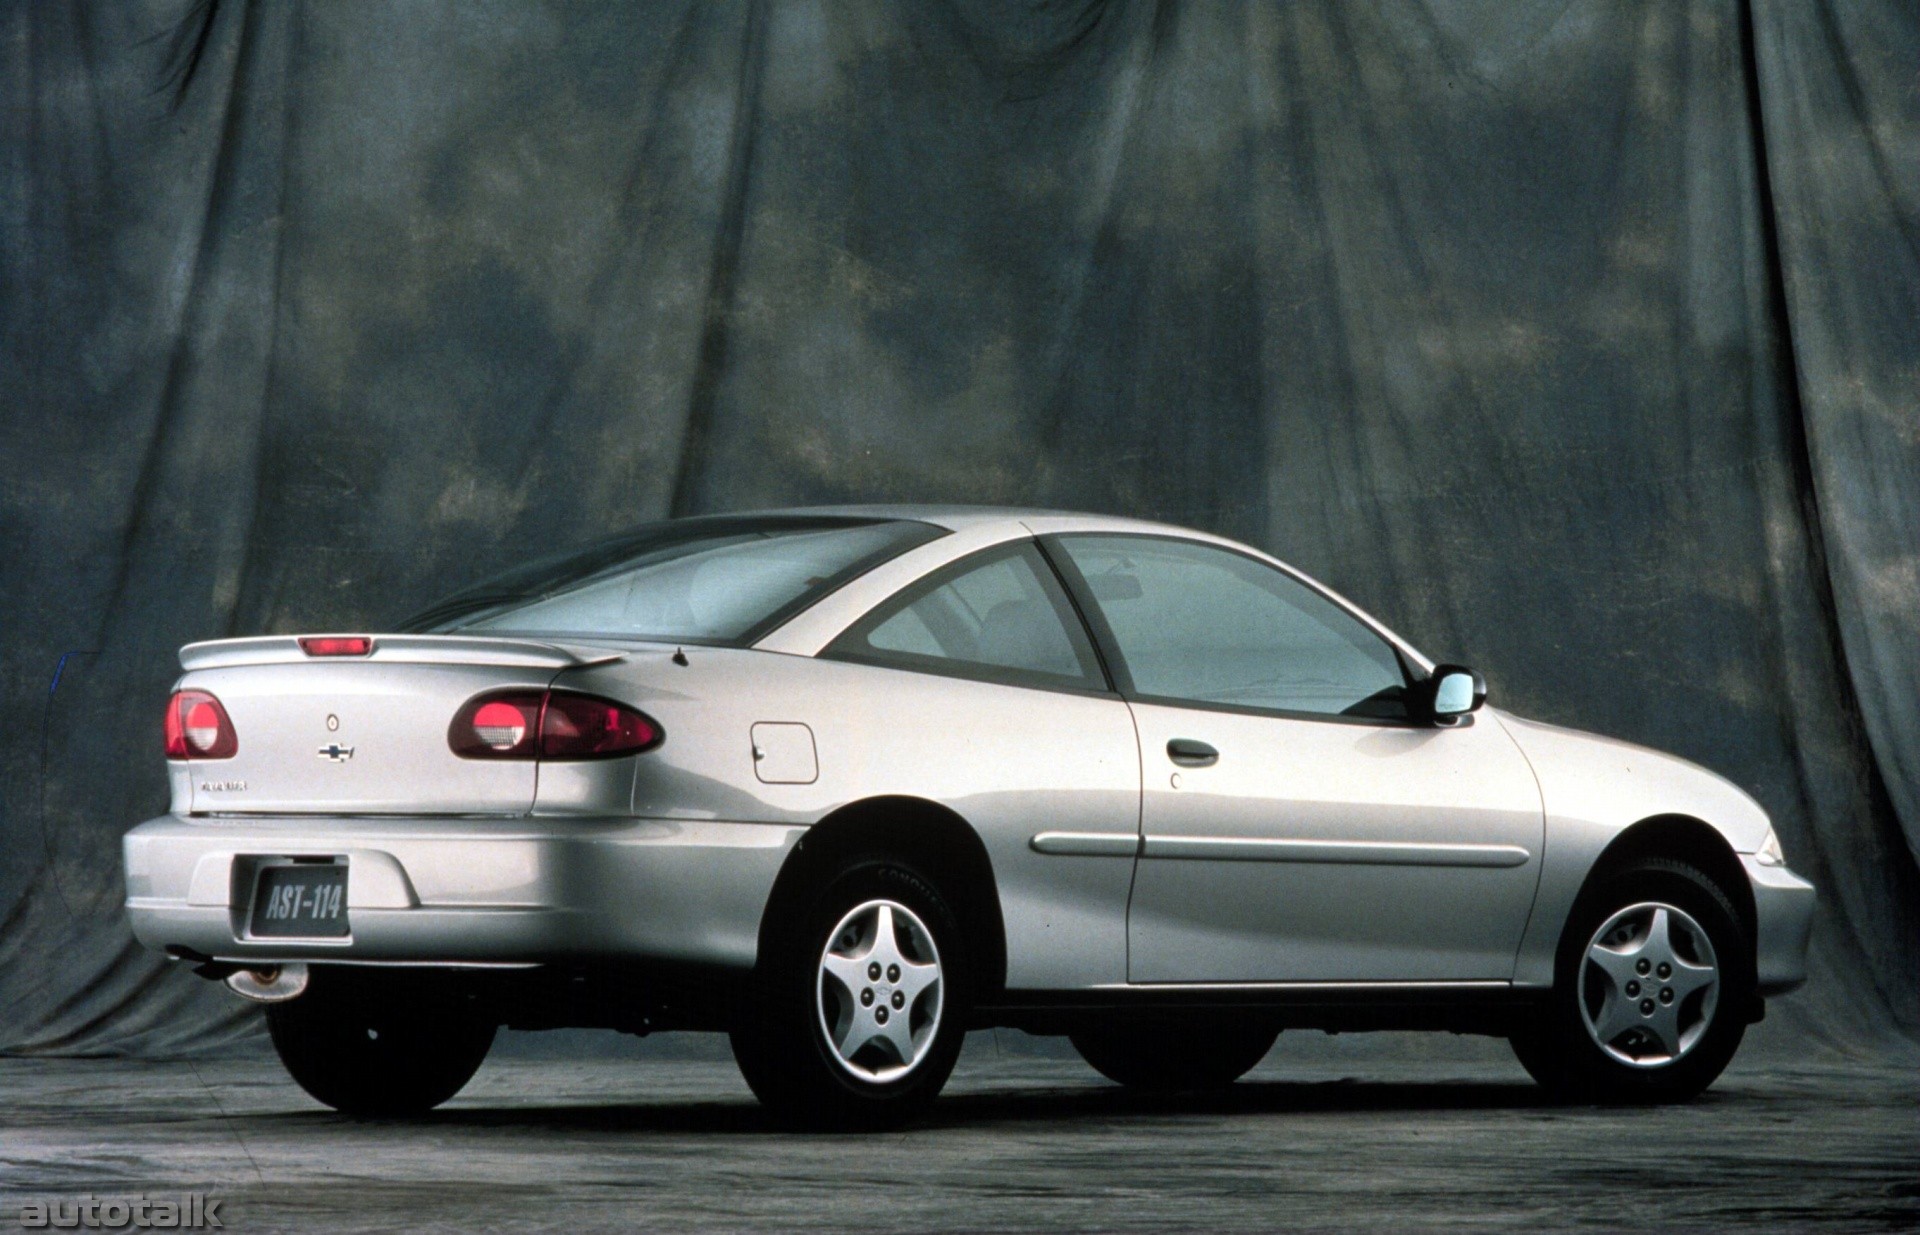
(466, 890)
(1783, 917)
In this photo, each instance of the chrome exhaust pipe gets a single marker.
(269, 983)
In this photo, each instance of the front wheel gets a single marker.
(1652, 981)
(1173, 1055)
(860, 1004)
(376, 1048)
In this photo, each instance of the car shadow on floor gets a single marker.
(1090, 1104)
(1263, 1097)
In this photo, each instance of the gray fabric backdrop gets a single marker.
(1580, 340)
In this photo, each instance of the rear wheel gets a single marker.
(1652, 983)
(374, 1048)
(1173, 1055)
(860, 1003)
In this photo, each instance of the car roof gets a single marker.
(956, 517)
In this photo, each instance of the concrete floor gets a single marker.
(1321, 1136)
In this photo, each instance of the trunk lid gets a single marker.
(364, 734)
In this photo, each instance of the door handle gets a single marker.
(1189, 753)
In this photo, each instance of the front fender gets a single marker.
(1592, 789)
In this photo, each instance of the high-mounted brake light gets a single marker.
(557, 724)
(197, 727)
(336, 645)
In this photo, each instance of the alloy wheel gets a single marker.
(1649, 985)
(879, 992)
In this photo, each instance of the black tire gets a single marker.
(1173, 1055)
(372, 1047)
(1558, 1049)
(782, 1043)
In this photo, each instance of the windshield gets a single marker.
(715, 580)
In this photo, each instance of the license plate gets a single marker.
(304, 901)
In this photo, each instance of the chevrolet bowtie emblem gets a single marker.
(336, 752)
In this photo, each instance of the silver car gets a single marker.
(846, 783)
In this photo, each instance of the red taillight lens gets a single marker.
(582, 727)
(336, 645)
(498, 726)
(198, 728)
(527, 724)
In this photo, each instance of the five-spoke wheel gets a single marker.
(860, 1001)
(1654, 978)
(1650, 985)
(880, 990)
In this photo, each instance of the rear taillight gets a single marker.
(556, 724)
(582, 727)
(501, 726)
(505, 725)
(198, 728)
(336, 645)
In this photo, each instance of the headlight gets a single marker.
(1768, 854)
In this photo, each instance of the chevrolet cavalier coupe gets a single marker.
(846, 783)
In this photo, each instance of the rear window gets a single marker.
(724, 579)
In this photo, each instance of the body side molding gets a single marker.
(1366, 853)
(1087, 844)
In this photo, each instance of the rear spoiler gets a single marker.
(399, 649)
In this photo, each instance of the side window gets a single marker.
(1200, 624)
(1000, 616)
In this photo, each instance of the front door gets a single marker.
(1297, 826)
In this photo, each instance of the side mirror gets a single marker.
(1450, 692)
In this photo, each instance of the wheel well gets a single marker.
(1684, 839)
(912, 829)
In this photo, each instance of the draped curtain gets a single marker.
(1578, 339)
